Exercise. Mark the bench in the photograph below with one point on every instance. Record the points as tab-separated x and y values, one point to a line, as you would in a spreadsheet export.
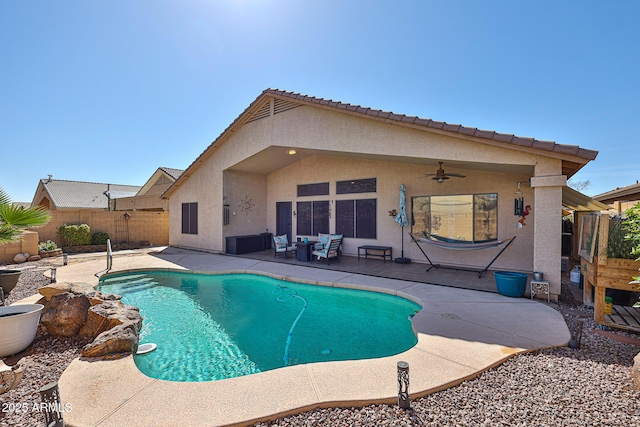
386	252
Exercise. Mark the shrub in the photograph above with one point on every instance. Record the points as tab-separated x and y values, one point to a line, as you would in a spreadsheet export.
99	238
47	246
75	235
619	246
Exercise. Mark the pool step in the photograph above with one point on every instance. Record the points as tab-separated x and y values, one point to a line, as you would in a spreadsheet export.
139	288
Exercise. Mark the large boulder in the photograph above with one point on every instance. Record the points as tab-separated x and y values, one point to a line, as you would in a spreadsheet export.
117	340
109	314
64	314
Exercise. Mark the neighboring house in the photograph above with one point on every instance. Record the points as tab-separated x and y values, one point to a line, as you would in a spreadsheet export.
58	194
98	205
622	198
299	165
148	197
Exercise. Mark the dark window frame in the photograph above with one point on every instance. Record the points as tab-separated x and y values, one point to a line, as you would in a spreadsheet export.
317	189
356	186
190	218
312	217
357	218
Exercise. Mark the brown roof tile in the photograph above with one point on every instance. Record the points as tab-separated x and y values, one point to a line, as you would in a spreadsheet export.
467	131
427	123
544	145
525	142
487	134
451	127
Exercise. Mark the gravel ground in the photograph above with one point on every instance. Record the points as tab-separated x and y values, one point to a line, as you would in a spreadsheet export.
590	386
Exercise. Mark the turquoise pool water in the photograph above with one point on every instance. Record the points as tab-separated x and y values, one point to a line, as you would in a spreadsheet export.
211	327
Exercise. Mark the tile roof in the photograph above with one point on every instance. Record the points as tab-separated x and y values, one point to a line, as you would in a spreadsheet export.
443	126
619	193
562	150
90	195
174	173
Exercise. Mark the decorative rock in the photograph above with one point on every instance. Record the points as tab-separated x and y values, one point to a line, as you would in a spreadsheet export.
121	339
20	258
54	289
108	315
635	372
65	314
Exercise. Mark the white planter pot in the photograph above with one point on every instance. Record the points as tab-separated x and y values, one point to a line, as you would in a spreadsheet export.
18	327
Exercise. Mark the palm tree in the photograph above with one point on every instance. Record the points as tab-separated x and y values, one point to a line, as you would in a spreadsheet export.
15	219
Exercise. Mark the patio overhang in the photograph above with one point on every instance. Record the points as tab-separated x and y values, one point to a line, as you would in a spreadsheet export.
576	201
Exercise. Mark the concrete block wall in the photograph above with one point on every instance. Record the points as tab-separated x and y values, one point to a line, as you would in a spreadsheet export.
142	226
28	244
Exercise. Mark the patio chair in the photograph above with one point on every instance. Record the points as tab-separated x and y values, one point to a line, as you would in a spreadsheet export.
281	246
330	250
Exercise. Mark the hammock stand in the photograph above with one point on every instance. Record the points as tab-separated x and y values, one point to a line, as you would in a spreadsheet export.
443	244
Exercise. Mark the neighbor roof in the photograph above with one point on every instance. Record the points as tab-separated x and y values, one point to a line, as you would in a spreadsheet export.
629	192
87	195
573	157
174	173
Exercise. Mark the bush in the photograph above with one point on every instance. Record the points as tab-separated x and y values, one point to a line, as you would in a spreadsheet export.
619	245
99	238
47	246
75	235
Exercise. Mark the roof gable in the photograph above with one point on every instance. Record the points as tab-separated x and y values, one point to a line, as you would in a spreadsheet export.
274	101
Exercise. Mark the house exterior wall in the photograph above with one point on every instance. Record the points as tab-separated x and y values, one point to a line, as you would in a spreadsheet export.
140	203
312	128
246	195
389	176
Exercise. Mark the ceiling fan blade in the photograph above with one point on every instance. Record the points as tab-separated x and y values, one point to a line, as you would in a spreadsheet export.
457	175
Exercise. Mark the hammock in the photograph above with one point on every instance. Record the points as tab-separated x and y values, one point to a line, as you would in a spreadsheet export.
459	246
439	242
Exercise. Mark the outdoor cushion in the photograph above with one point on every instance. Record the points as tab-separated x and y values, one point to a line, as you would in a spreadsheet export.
281	242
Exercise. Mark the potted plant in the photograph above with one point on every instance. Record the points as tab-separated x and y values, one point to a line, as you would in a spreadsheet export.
14	219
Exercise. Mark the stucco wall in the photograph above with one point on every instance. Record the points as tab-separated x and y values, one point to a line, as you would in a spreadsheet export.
389	176
338	138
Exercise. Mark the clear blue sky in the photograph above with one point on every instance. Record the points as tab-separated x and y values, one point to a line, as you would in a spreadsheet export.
109	91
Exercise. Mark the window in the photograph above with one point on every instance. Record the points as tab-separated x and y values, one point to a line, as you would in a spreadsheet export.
320	189
356	186
356	218
312	217
462	218
190	218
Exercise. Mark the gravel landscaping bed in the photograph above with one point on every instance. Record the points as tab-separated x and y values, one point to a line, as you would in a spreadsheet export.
590	386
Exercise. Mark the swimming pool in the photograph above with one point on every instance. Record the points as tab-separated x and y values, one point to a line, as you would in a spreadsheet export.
217	326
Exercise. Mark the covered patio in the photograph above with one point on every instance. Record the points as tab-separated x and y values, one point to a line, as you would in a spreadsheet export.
412	272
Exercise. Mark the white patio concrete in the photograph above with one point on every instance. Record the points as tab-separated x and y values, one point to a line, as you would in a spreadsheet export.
461	333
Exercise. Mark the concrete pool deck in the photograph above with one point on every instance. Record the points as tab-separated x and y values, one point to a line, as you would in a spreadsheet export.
461	333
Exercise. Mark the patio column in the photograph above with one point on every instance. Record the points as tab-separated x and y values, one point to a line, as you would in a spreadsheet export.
547	244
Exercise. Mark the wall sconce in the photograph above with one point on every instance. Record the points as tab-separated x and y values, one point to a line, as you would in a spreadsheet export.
126	215
294	214
291	152
393	212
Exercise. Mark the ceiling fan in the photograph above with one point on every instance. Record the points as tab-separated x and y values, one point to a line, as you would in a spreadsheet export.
441	176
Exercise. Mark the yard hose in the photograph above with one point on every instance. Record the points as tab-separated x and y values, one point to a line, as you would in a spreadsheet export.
282	296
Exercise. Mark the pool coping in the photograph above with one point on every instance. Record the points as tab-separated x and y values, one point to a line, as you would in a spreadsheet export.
461	334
